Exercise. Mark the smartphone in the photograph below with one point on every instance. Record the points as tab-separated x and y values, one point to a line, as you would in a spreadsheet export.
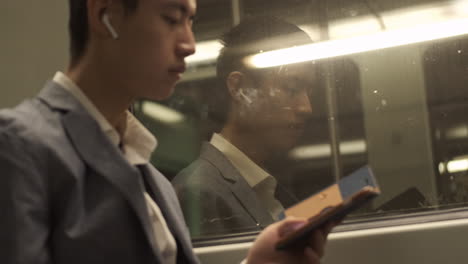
330	204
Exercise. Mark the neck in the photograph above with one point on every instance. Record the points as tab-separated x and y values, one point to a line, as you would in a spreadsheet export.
103	89
247	141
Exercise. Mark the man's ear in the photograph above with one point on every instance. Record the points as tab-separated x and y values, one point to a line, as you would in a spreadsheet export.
237	84
96	10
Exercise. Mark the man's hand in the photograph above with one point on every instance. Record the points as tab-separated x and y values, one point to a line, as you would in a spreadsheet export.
263	249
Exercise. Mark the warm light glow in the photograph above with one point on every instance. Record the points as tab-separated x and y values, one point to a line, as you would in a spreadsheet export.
162	113
205	52
348	46
324	150
457	165
448	19
457	132
399	18
441	168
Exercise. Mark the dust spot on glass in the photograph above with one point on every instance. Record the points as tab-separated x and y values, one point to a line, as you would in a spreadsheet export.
353	13
213	220
273	92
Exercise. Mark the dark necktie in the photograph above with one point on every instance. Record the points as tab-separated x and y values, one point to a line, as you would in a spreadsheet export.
286	198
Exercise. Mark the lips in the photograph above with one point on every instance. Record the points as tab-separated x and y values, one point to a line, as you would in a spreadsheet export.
297	129
178	69
297	126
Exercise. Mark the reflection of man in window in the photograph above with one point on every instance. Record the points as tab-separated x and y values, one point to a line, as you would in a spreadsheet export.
261	113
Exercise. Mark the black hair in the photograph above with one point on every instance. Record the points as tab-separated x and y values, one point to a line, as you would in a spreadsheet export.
78	26
251	36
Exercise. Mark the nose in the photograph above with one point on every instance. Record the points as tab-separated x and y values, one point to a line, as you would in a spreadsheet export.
303	106
186	44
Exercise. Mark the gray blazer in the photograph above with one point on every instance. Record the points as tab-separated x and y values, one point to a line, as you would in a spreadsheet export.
216	199
67	195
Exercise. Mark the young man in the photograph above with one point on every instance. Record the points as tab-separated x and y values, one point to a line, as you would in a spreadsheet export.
261	114
76	185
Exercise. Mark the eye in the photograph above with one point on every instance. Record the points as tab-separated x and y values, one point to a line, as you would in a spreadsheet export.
295	90
171	20
293	87
191	21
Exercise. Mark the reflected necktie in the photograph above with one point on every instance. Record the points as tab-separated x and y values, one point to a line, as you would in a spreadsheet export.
286	198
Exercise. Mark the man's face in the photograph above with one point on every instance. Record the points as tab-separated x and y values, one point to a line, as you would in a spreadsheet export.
279	106
153	43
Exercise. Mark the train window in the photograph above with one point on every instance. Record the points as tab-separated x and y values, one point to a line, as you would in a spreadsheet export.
283	98
254	126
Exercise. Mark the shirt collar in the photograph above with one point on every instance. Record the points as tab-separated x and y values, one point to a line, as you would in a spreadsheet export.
137	142
251	172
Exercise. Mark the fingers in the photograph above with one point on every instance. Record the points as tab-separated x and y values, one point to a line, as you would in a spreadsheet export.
328	228
311	256
315	248
318	239
317	242
289	225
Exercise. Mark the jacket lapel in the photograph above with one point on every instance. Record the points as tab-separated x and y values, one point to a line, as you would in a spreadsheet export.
166	199
238	185
98	153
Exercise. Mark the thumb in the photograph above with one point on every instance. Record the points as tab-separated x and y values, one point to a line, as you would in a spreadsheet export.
290	225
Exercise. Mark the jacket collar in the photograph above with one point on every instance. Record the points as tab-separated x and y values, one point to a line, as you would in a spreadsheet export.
58	98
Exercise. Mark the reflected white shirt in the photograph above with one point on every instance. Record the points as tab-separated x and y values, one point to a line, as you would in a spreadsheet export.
137	144
259	180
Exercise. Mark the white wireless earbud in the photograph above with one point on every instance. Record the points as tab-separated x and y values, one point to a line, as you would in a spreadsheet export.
246	98
105	20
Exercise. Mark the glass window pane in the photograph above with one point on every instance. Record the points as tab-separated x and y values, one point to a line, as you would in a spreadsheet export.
380	83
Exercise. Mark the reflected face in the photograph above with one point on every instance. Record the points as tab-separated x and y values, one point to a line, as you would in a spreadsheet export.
279	107
153	43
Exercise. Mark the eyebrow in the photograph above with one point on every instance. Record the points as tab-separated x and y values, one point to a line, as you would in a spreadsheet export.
179	7
302	81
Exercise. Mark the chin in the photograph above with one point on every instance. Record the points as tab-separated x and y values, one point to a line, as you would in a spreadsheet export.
161	93
285	143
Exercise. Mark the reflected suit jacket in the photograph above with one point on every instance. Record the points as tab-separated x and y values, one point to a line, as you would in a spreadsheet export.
67	194
216	199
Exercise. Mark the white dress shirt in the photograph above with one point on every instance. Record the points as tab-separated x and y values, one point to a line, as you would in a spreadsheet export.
259	180
137	144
